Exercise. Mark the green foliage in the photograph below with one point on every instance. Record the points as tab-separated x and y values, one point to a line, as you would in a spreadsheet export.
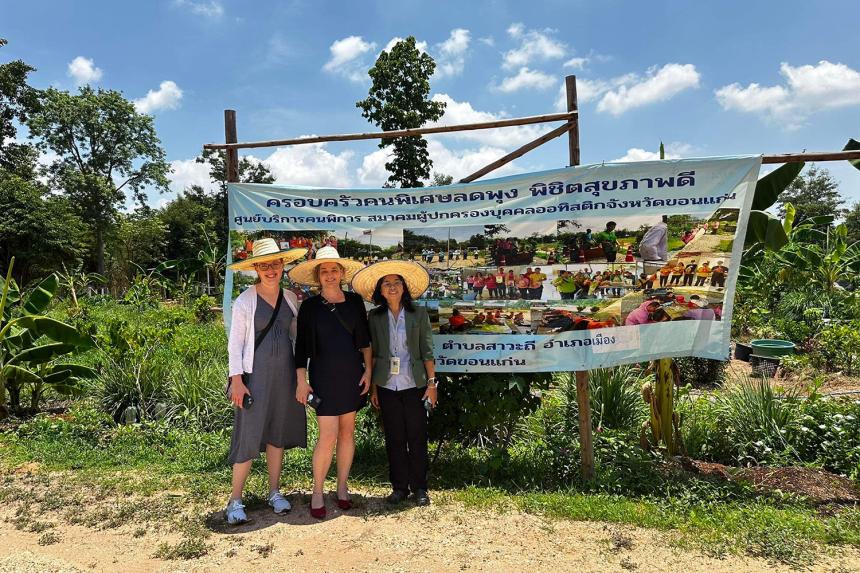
829	434
814	194
838	346
202	308
484	408
702	372
103	147
17	100
34	348
399	99
758	421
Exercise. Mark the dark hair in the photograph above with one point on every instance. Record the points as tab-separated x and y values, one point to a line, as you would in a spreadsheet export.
382	304
613	223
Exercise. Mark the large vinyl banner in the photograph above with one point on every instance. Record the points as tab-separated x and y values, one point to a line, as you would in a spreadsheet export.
560	270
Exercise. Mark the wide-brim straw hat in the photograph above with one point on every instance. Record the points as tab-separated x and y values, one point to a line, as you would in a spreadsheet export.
303	273
417	277
266	250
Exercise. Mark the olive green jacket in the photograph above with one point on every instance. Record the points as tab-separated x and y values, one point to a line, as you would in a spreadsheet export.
419	340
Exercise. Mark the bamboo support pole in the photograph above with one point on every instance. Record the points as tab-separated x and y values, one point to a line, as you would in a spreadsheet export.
518	152
547	118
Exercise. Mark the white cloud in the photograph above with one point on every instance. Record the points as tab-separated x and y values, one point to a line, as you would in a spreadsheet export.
84	71
527	79
168	96
346	58
807	89
420	46
456	163
310	164
659	85
457	113
591	90
452	53
488	41
577	63
210	9
187	172
674	150
535	45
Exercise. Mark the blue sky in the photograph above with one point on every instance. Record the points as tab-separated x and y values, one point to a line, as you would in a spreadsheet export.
707	78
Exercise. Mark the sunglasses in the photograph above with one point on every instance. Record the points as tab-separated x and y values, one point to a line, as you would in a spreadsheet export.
392	285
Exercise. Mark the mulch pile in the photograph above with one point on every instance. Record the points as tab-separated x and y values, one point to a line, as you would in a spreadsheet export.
817	486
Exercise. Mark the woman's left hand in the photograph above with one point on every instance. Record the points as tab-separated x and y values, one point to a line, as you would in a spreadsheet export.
431	394
365	382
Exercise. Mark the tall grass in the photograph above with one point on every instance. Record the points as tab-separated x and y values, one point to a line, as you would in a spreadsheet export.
759	420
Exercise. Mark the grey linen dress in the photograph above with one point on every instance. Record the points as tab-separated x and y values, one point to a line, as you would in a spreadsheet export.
276	417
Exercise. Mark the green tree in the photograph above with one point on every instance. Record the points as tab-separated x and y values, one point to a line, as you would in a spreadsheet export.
852	223
138	238
250	171
813	194
17	100
38	228
104	148
398	99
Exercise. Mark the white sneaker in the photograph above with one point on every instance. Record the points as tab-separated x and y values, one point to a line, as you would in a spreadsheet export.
235	513
279	503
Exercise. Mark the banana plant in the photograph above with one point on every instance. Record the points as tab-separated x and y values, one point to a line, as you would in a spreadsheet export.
77	280
764	231
33	347
662	428
822	262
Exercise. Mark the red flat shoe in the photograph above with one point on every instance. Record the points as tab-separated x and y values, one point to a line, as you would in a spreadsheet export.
344	504
318	512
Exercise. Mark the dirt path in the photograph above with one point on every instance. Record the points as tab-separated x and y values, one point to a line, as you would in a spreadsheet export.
439	538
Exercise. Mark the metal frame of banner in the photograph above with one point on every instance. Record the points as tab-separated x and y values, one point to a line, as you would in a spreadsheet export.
571	126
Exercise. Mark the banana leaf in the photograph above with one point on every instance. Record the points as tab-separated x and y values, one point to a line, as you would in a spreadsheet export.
57	377
768	188
766	229
41	296
19	374
56	330
42	354
77	370
853	145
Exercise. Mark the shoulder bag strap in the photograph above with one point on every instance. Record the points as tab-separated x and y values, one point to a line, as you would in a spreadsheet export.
260	337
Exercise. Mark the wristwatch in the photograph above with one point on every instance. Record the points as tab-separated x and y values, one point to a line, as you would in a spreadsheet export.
432	382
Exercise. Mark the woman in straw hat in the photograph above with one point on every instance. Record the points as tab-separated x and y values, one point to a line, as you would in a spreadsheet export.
333	350
260	347
404	376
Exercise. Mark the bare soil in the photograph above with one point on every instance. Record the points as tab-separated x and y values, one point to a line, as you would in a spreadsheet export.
443	537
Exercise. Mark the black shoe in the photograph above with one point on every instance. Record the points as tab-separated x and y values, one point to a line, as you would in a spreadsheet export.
422	497
397	496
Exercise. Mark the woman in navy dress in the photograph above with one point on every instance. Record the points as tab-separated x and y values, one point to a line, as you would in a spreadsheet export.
333	363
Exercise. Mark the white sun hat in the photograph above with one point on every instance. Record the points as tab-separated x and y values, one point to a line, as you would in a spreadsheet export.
303	273
416	276
266	250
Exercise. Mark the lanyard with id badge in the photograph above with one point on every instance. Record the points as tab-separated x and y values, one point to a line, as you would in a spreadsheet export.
394	360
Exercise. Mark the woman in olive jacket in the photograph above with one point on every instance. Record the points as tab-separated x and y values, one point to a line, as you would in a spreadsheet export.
403	374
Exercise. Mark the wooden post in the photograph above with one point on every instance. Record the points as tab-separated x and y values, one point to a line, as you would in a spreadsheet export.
586	445
231	159
573	138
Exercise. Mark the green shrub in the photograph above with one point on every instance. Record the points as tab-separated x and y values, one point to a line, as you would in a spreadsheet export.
838	347
202	307
829	434
758	421
702	372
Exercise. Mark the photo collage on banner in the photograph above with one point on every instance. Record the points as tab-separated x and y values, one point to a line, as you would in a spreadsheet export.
535	273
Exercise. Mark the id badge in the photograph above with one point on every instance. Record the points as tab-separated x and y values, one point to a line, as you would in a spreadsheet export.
394	363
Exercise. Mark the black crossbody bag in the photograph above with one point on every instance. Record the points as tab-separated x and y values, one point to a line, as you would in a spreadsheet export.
258	341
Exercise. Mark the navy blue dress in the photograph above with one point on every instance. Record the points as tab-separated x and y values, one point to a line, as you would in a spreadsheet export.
331	351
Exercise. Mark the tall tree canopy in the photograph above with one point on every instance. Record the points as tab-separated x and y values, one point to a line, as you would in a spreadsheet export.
104	149
398	99
17	100
813	194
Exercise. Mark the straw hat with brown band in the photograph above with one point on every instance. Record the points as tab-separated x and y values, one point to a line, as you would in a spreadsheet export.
266	250
303	273
415	275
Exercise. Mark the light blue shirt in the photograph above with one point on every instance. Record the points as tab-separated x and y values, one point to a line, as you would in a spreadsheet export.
397	344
